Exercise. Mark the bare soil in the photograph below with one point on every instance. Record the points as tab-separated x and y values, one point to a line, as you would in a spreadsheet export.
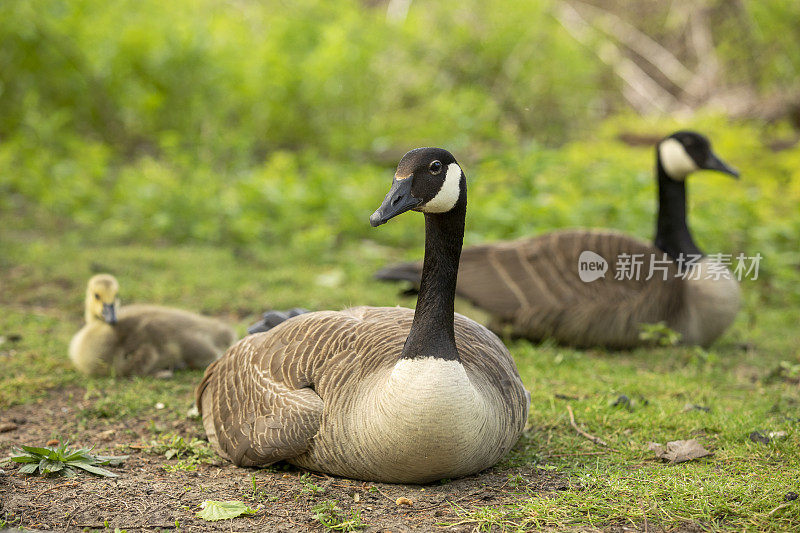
147	497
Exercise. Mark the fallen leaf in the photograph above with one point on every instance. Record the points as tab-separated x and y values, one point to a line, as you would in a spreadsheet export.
679	451
214	510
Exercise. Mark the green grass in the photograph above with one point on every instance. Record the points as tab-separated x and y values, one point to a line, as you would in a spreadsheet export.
746	380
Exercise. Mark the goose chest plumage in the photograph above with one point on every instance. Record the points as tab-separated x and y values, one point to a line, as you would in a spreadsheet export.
142	339
377	393
533	288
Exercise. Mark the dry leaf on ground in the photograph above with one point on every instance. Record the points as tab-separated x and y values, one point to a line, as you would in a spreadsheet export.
679	451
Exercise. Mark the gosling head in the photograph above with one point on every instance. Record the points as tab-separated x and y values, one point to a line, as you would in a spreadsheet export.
101	299
428	180
684	152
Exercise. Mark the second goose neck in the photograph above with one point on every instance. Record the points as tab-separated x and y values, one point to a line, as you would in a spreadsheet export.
432	333
672	231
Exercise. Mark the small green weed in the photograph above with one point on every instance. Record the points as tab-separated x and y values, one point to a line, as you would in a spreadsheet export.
309	487
184	465
330	515
173	446
257	493
659	334
62	460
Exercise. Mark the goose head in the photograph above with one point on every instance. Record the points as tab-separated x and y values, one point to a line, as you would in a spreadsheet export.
101	299
428	180
684	152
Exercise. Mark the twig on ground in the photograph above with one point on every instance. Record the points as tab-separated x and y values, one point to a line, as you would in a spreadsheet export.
582	433
778	508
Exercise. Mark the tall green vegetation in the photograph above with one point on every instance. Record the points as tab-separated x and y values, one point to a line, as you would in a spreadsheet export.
256	122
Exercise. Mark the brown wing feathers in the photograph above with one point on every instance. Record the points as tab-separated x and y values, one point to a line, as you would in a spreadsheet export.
263	401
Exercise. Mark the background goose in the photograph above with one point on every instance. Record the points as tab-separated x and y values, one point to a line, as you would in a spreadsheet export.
533	288
142	339
380	394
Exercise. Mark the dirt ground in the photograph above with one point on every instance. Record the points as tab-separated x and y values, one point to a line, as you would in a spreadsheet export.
147	497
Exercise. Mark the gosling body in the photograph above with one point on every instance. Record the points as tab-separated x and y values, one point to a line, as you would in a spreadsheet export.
142	339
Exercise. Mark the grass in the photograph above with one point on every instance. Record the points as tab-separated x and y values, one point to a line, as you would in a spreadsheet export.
748	381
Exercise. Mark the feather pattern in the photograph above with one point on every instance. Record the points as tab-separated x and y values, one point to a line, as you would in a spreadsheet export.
327	391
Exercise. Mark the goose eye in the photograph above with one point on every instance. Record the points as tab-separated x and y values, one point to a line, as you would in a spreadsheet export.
435	167
96	296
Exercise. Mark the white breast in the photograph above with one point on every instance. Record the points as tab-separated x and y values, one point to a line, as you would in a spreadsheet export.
713	299
422	420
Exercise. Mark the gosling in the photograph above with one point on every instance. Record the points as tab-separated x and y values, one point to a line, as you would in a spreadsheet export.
142	339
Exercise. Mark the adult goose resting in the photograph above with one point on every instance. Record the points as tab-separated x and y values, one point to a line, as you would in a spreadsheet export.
533	287
142	339
377	393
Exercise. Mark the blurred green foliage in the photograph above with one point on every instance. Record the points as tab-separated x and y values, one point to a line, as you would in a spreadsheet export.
229	82
257	124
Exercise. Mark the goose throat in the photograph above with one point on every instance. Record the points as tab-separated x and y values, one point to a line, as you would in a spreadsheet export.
672	231
432	333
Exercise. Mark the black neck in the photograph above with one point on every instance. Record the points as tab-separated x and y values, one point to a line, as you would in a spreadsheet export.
432	333
672	233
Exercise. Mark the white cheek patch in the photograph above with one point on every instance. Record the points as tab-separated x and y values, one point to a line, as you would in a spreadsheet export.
448	195
676	162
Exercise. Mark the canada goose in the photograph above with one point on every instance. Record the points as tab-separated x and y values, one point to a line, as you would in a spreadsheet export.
142	339
533	286
377	393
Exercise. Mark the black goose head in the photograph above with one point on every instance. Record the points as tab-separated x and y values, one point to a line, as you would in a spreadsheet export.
427	180
683	152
